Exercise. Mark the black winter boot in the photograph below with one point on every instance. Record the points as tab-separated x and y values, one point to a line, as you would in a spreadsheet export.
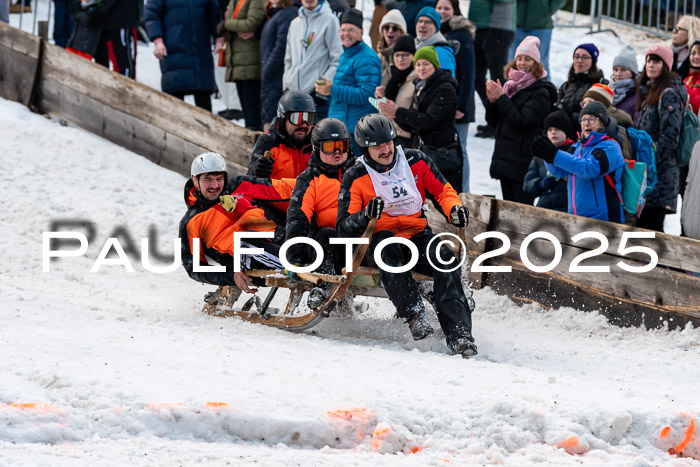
419	325
463	346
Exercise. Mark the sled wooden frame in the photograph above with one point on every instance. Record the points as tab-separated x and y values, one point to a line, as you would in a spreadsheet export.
343	284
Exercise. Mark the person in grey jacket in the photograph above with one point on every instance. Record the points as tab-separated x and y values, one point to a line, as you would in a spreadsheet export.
690	214
313	51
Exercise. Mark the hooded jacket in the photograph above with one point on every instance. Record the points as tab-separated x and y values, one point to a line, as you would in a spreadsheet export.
663	122
273	43
313	48
589	193
359	73
187	28
518	120
356	190
445	50
215	226
291	158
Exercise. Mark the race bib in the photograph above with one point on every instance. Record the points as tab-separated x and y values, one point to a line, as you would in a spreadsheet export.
397	186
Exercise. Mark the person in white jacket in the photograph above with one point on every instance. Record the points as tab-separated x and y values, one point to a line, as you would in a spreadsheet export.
313	51
690	213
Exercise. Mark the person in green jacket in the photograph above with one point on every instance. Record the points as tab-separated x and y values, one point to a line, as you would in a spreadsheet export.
535	19
242	20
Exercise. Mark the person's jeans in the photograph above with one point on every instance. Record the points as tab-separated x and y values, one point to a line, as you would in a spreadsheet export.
545	36
63	23
5	12
463	131
249	95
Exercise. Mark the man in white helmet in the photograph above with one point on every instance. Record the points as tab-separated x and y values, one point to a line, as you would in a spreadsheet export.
218	207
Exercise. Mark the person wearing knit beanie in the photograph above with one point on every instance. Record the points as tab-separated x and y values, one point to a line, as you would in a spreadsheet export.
405	44
530	48
628	59
600	93
427	53
591	49
352	16
664	52
430	13
596	109
394	17
560	120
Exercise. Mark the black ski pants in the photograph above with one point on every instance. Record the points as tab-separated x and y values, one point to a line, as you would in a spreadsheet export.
491	47
450	303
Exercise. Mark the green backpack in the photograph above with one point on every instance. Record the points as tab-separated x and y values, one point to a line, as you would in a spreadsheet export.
690	132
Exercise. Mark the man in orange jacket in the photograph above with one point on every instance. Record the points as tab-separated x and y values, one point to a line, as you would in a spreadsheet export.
390	185
217	208
314	204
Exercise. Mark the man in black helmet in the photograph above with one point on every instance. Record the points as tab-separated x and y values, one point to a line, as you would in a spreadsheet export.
288	139
390	185
314	203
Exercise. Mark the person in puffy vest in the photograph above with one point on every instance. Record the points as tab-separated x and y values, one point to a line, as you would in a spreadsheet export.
593	171
390	185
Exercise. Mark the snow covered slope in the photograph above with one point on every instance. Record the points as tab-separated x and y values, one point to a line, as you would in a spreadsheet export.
112	367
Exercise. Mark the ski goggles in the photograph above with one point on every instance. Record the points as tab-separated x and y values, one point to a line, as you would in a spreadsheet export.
297	118
329	147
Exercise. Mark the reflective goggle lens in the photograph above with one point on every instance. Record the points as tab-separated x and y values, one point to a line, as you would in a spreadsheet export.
297	118
329	147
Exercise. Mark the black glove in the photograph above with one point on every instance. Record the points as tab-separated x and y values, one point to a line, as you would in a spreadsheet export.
263	167
459	216
547	183
374	208
543	148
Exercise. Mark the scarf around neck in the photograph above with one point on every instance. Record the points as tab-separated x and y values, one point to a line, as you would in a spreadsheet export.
432	40
519	80
621	88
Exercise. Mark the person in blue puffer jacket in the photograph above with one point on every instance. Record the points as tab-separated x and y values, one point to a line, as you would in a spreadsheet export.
359	73
273	43
596	155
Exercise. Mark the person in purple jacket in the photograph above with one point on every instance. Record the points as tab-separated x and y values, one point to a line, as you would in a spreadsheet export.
624	82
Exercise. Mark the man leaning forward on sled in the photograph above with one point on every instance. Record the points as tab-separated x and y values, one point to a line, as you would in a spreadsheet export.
390	185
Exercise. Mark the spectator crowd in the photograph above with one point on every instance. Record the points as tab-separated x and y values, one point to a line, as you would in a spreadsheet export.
564	148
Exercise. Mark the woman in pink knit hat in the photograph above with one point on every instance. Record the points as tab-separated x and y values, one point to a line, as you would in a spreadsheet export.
662	97
517	111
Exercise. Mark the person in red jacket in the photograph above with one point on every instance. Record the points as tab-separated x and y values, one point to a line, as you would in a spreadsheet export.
314	204
217	208
692	82
390	185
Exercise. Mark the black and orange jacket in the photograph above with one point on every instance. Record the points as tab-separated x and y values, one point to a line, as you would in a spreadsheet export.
291	158
214	226
314	202
356	190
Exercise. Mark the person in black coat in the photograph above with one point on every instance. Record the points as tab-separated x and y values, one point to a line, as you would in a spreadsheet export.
182	31
431	116
273	42
517	111
551	190
583	74
117	44
456	27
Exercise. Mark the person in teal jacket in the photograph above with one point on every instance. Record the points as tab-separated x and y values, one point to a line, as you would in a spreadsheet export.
594	170
359	73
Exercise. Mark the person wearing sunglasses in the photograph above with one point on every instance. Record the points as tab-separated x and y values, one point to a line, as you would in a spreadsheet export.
683	35
288	139
392	26
593	171
314	203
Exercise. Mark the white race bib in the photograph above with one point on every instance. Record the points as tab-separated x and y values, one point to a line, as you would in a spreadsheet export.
397	186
